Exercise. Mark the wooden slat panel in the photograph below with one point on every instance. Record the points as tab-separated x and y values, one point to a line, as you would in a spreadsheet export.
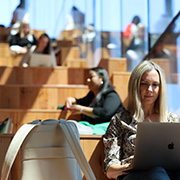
120	81
38	97
42	75
20	117
113	65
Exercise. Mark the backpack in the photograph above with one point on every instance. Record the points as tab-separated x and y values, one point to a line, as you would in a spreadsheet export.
50	150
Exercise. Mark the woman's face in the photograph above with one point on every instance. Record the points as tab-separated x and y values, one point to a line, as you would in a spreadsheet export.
25	28
149	87
94	81
43	42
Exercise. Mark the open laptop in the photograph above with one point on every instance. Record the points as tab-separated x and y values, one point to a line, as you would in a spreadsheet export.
41	60
157	144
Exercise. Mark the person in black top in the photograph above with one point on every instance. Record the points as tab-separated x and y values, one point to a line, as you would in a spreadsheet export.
102	101
23	40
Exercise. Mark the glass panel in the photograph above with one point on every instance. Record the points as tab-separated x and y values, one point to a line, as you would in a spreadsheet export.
159	18
165	52
104	32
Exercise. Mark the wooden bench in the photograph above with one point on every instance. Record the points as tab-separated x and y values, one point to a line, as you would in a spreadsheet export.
120	80
38	96
4	50
92	146
113	65
7	57
13	60
42	75
69	53
22	116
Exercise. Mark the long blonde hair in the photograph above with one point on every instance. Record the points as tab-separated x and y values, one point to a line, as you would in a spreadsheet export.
22	35
134	99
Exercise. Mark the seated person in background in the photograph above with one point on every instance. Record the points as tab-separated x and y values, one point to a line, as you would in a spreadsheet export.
100	104
146	103
131	28
136	50
20	13
43	47
23	40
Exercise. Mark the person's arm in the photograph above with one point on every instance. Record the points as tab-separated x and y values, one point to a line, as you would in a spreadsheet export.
81	105
18	49
116	170
54	64
88	111
113	142
25	60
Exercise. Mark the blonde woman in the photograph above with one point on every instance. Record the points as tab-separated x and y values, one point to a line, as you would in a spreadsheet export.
146	102
23	40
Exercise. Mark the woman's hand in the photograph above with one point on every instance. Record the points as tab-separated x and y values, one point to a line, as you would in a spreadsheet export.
70	101
23	50
117	170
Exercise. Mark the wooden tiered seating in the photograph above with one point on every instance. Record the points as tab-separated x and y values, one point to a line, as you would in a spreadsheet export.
38	96
120	81
8	58
34	93
113	65
22	116
42	75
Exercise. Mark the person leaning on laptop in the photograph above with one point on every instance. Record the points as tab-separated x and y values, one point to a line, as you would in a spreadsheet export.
43	47
146	102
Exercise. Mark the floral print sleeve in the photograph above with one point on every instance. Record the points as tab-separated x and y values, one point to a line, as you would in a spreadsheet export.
118	141
173	117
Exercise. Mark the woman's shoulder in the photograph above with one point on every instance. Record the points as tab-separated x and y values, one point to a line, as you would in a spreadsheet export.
118	122
122	116
172	117
110	91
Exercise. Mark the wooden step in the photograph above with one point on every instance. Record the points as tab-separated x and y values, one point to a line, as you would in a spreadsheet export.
120	80
113	65
38	96
42	75
22	116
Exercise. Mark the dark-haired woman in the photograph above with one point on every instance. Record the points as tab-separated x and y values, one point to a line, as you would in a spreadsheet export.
43	47
102	101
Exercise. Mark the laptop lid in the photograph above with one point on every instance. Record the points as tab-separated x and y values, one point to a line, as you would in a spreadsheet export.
41	60
157	144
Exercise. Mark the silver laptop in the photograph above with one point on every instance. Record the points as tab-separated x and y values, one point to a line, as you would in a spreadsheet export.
41	60
157	144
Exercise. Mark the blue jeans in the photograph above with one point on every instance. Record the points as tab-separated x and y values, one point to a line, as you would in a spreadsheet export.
157	173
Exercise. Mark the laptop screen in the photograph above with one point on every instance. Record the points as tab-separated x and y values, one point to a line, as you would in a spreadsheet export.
41	60
157	144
